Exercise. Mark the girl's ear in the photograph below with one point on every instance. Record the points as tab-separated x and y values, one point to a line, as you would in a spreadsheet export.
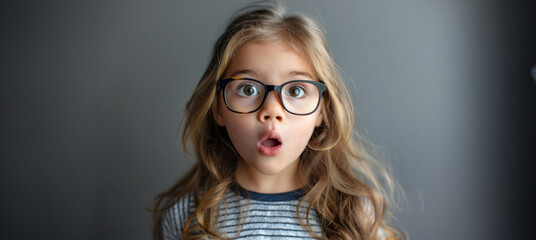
216	112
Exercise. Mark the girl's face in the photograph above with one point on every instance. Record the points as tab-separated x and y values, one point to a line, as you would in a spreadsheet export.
271	139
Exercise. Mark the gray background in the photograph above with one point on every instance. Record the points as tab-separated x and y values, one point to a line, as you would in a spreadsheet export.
92	94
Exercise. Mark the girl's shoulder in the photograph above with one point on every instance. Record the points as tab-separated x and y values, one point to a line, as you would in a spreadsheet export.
175	217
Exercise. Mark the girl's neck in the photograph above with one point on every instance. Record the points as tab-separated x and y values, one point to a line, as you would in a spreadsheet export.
251	179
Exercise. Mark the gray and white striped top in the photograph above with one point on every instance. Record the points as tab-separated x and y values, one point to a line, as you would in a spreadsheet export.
269	216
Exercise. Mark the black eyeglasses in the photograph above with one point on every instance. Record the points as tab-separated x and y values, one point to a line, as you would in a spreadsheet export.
247	95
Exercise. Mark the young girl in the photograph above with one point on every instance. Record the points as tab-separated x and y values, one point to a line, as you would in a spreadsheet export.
271	123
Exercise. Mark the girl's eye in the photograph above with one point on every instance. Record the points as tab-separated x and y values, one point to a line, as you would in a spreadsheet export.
248	90
296	92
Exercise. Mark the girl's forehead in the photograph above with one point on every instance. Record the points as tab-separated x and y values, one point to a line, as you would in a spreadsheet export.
288	45
254	57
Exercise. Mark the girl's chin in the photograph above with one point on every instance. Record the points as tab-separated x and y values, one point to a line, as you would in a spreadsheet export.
272	168
268	166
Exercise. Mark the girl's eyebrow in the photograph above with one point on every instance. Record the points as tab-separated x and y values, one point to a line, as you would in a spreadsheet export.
243	71
298	73
254	74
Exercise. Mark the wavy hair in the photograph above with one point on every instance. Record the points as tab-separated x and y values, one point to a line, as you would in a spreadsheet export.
348	183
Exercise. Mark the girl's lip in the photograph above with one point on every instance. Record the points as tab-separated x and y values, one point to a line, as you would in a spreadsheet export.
270	151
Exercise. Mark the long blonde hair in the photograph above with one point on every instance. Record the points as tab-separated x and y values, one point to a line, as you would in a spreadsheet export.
348	186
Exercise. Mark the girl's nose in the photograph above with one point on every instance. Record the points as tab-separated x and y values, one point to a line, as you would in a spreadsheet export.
272	108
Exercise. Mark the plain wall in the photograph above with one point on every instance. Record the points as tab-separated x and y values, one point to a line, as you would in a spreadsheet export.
92	96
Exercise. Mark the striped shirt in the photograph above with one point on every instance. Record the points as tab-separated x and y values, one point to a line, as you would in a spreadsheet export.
269	216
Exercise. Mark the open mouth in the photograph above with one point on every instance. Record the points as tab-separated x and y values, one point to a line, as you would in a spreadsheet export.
270	142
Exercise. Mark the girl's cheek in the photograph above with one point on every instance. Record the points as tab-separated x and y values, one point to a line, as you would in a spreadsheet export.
239	126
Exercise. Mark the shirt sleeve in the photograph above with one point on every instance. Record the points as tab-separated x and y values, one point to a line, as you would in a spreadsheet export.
170	228
174	218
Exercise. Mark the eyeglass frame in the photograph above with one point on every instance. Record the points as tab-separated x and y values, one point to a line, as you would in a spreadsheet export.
222	83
